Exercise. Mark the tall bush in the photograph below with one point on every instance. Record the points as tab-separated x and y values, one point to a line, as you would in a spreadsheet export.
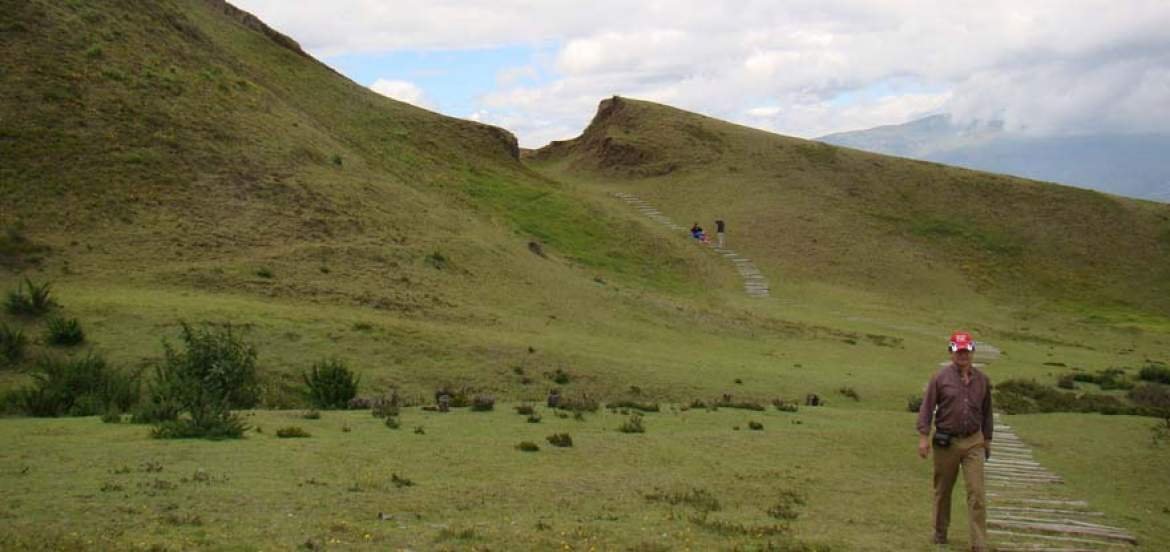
213	373
331	384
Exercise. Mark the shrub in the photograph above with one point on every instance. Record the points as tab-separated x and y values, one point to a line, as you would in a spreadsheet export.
12	345
755	426
1155	372
849	392
1066	381
483	403
726	402
633	424
525	410
331	384
392	422
1111	378
559	376
214	373
64	332
633	405
785	406
265	272
560	440
291	432
84	386
30	299
914	403
1026	396
527	446
313	414
458	398
583	403
1152	396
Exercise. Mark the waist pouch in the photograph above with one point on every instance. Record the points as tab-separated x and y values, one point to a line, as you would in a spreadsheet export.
942	440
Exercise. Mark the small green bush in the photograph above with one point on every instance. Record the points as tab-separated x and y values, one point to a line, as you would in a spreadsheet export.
483	403
534	418
559	376
755	426
914	403
1157	373
437	260
527	446
291	432
726	402
85	386
265	272
633	424
29	299
312	414
1066	381
560	440
786	406
213	374
1153	397
392	422
64	332
331	384
12	345
583	403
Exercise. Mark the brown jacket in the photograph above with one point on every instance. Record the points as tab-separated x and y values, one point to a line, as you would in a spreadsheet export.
963	408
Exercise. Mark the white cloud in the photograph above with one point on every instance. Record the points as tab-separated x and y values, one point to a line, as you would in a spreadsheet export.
798	66
403	91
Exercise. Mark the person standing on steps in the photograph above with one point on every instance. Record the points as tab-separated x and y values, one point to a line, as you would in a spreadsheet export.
719	228
958	400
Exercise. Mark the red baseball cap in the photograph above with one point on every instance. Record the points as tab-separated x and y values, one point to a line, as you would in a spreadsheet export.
961	341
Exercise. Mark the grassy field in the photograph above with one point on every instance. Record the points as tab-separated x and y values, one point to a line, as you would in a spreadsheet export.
179	162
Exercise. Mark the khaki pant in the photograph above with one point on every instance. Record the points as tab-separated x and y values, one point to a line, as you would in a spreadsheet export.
966	452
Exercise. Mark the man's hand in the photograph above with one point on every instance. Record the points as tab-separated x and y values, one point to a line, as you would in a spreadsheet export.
923	446
986	450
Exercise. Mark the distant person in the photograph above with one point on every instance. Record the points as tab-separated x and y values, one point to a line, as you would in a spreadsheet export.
962	438
720	228
697	231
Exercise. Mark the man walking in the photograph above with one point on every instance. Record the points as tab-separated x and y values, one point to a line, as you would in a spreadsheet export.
719	232
962	395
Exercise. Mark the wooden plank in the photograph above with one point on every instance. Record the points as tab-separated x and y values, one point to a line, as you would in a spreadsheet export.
1064	521
1047	501
1059	529
1049	538
1025	509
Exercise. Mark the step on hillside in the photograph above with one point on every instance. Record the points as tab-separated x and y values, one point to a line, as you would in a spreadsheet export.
754	282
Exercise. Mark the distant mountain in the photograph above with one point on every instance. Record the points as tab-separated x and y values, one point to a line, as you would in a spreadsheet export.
1135	165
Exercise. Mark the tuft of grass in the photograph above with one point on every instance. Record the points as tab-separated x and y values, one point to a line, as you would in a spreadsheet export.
85	386
265	272
849	392
483	403
633	424
392	422
65	332
292	432
527	446
437	260
331	384
914	403
787	506
312	414
29	299
560	440
755	426
400	481
12	345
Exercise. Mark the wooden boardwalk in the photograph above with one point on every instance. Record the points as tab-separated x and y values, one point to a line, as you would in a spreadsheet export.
754	282
1027	510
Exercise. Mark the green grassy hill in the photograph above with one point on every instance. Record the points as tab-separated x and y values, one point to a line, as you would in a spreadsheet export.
812	212
180	161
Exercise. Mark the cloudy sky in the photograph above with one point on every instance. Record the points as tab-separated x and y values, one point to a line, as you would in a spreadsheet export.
798	67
